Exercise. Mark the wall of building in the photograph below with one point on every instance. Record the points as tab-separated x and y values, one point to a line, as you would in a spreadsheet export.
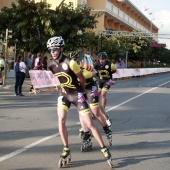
6	3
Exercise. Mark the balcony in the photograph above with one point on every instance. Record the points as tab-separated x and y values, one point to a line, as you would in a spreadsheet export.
123	17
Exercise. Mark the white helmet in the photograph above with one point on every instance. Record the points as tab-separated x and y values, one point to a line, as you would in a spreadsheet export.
55	42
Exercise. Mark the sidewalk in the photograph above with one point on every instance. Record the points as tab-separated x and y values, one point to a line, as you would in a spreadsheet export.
10	83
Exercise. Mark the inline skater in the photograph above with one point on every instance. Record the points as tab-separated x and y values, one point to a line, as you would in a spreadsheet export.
91	91
68	72
104	69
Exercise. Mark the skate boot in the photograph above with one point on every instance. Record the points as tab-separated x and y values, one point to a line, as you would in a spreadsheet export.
108	133
87	144
65	157
107	156
81	133
31	89
108	121
92	116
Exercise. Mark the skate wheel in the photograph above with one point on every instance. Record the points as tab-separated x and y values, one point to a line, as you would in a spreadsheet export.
91	146
60	163
82	148
68	160
38	91
93	117
110	163
110	142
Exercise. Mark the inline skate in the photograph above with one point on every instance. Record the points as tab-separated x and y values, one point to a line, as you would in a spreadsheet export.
107	156
92	116
65	157
87	144
108	121
81	133
108	133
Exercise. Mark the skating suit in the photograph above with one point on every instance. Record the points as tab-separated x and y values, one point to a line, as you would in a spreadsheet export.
71	91
105	72
91	86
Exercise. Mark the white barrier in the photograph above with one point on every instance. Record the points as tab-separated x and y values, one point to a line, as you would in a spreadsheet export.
122	73
43	79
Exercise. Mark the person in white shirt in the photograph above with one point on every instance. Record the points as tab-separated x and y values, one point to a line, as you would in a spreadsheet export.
37	66
20	69
37	62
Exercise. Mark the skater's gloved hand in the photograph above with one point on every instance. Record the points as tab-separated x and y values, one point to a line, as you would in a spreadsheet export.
110	82
94	78
81	97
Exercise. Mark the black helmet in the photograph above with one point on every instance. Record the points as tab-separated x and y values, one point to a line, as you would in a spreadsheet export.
102	55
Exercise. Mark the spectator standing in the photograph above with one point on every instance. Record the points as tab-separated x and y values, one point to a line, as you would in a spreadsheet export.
29	64
122	63
37	66
37	62
44	63
2	66
20	69
117	65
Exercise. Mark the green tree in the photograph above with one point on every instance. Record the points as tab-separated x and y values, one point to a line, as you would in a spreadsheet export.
34	23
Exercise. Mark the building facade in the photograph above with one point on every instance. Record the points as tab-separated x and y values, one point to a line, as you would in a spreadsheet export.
118	15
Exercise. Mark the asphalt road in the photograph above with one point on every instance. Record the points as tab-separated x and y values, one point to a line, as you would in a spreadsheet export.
140	111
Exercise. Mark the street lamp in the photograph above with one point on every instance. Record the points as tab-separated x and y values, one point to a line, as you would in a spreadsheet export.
101	35
8	35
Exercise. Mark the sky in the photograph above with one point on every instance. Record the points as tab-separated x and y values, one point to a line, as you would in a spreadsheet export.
159	12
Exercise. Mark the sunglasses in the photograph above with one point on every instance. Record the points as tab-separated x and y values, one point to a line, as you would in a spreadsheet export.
53	49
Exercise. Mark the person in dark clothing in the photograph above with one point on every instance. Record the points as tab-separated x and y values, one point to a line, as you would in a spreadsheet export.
44	63
20	70
72	83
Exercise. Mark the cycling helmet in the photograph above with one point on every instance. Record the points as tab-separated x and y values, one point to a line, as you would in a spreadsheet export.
55	42
102	55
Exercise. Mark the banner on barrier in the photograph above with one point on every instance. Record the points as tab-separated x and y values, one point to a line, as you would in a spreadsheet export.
122	73
43	79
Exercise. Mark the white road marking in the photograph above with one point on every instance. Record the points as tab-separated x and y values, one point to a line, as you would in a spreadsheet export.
27	147
57	134
112	108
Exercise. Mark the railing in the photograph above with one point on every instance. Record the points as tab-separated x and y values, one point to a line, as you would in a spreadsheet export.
114	11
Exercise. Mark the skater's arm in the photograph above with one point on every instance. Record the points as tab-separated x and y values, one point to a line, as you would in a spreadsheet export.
82	80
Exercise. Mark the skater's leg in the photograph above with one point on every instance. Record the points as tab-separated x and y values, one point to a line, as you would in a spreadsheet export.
102	120
83	128
83	124
102	110
97	113
104	98
62	115
16	84
107	118
88	120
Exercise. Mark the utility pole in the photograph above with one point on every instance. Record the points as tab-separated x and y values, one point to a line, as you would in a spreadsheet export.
8	35
5	66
